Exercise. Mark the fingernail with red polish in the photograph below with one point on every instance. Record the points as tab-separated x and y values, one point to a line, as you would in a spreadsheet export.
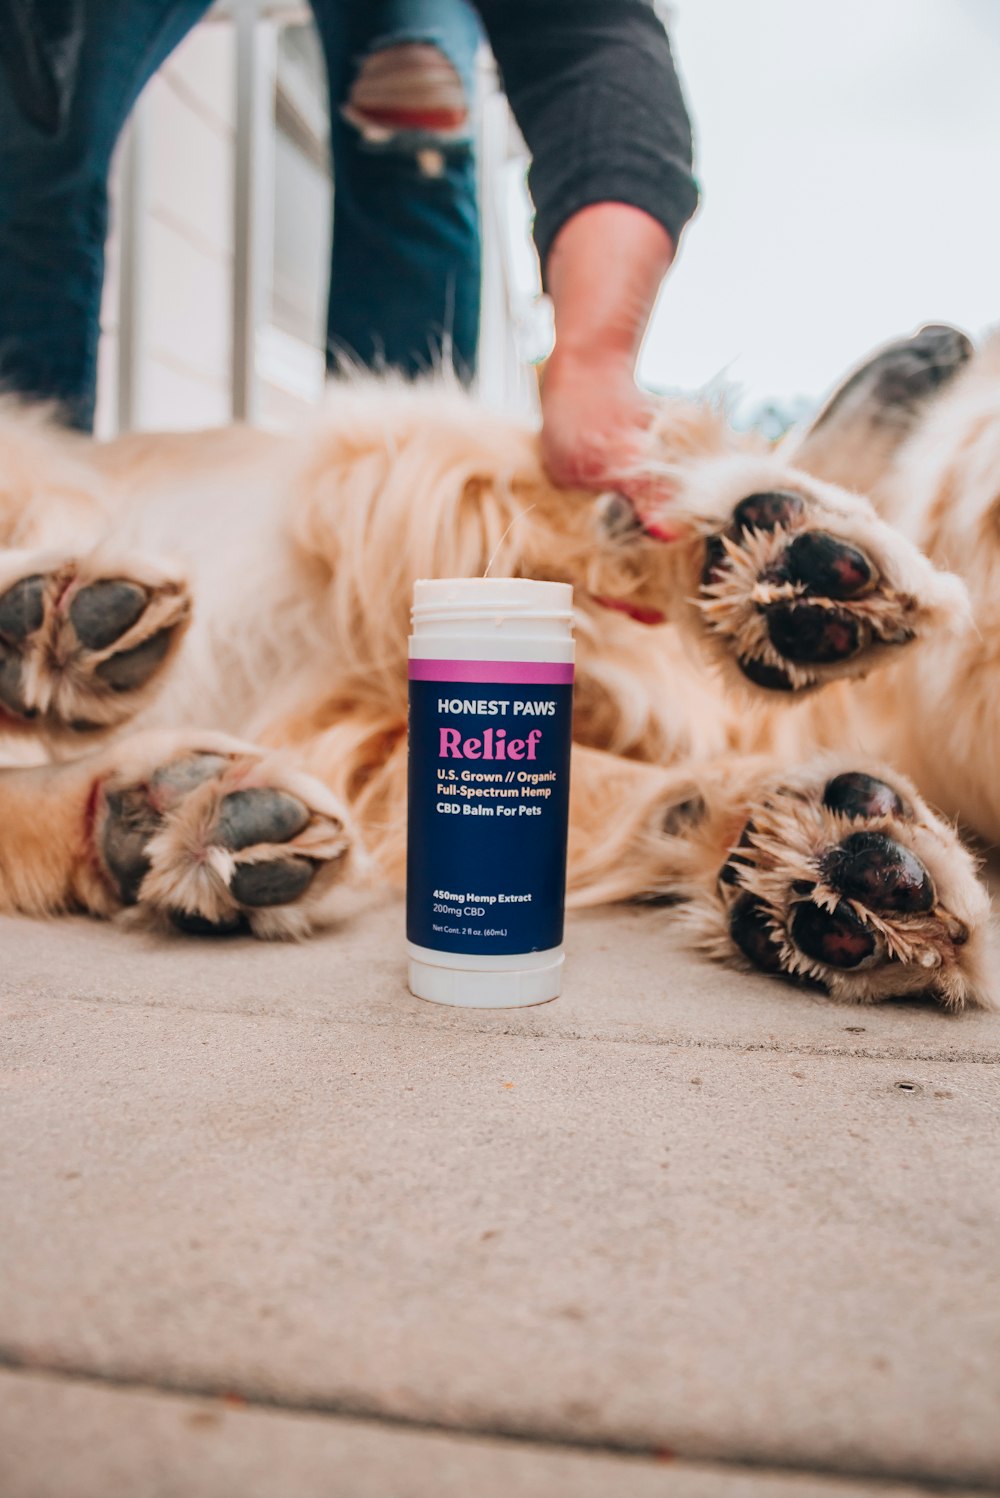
659	532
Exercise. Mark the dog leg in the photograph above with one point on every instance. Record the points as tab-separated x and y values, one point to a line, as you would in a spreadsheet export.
857	433
84	642
46	861
195	830
945	726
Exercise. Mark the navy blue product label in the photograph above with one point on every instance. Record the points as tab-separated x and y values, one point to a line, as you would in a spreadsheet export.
488	814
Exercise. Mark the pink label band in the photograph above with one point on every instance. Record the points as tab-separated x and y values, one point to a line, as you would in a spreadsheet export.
522	673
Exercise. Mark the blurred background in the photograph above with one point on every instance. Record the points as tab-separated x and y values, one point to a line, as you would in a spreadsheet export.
848	155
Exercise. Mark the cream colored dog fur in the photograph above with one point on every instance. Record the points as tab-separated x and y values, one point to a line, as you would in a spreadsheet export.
203	655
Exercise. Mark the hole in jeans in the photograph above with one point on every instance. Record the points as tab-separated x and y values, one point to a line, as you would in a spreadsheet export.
409	97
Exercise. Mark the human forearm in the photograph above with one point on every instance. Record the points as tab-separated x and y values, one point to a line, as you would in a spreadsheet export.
594	89
604	272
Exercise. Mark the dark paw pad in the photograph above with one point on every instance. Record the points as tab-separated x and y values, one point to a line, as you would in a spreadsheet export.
828	566
130	824
11	685
810	634
276	882
259	816
763	674
912	370
752	933
765	512
856	794
133	668
880	873
837	939
948	348
102	612
22	608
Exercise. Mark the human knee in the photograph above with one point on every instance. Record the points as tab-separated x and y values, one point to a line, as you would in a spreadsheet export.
408	98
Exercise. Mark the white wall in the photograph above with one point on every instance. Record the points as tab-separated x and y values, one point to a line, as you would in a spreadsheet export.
182	132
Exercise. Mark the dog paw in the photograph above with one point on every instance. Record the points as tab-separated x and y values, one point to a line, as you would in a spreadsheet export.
850	881
80	649
907	372
805	584
894	384
217	842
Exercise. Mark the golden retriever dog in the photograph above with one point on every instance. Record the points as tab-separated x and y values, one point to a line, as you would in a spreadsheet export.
203	665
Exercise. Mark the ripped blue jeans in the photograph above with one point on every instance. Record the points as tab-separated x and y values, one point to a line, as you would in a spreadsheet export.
404	279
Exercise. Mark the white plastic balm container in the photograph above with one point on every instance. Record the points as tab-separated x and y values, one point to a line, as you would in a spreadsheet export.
491	704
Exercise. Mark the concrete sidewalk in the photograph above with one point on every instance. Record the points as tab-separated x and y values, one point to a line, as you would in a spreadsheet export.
272	1226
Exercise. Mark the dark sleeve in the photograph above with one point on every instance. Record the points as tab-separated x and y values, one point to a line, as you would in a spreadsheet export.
593	87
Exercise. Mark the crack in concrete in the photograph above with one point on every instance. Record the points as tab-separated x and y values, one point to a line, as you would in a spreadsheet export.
345	1409
685	1042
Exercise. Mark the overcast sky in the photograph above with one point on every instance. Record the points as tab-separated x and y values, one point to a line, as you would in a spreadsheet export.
849	153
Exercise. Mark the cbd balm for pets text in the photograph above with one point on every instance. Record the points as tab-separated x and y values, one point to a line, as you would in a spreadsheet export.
491	697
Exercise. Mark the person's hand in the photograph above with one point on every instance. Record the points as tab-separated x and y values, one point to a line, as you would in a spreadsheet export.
603	272
595	422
